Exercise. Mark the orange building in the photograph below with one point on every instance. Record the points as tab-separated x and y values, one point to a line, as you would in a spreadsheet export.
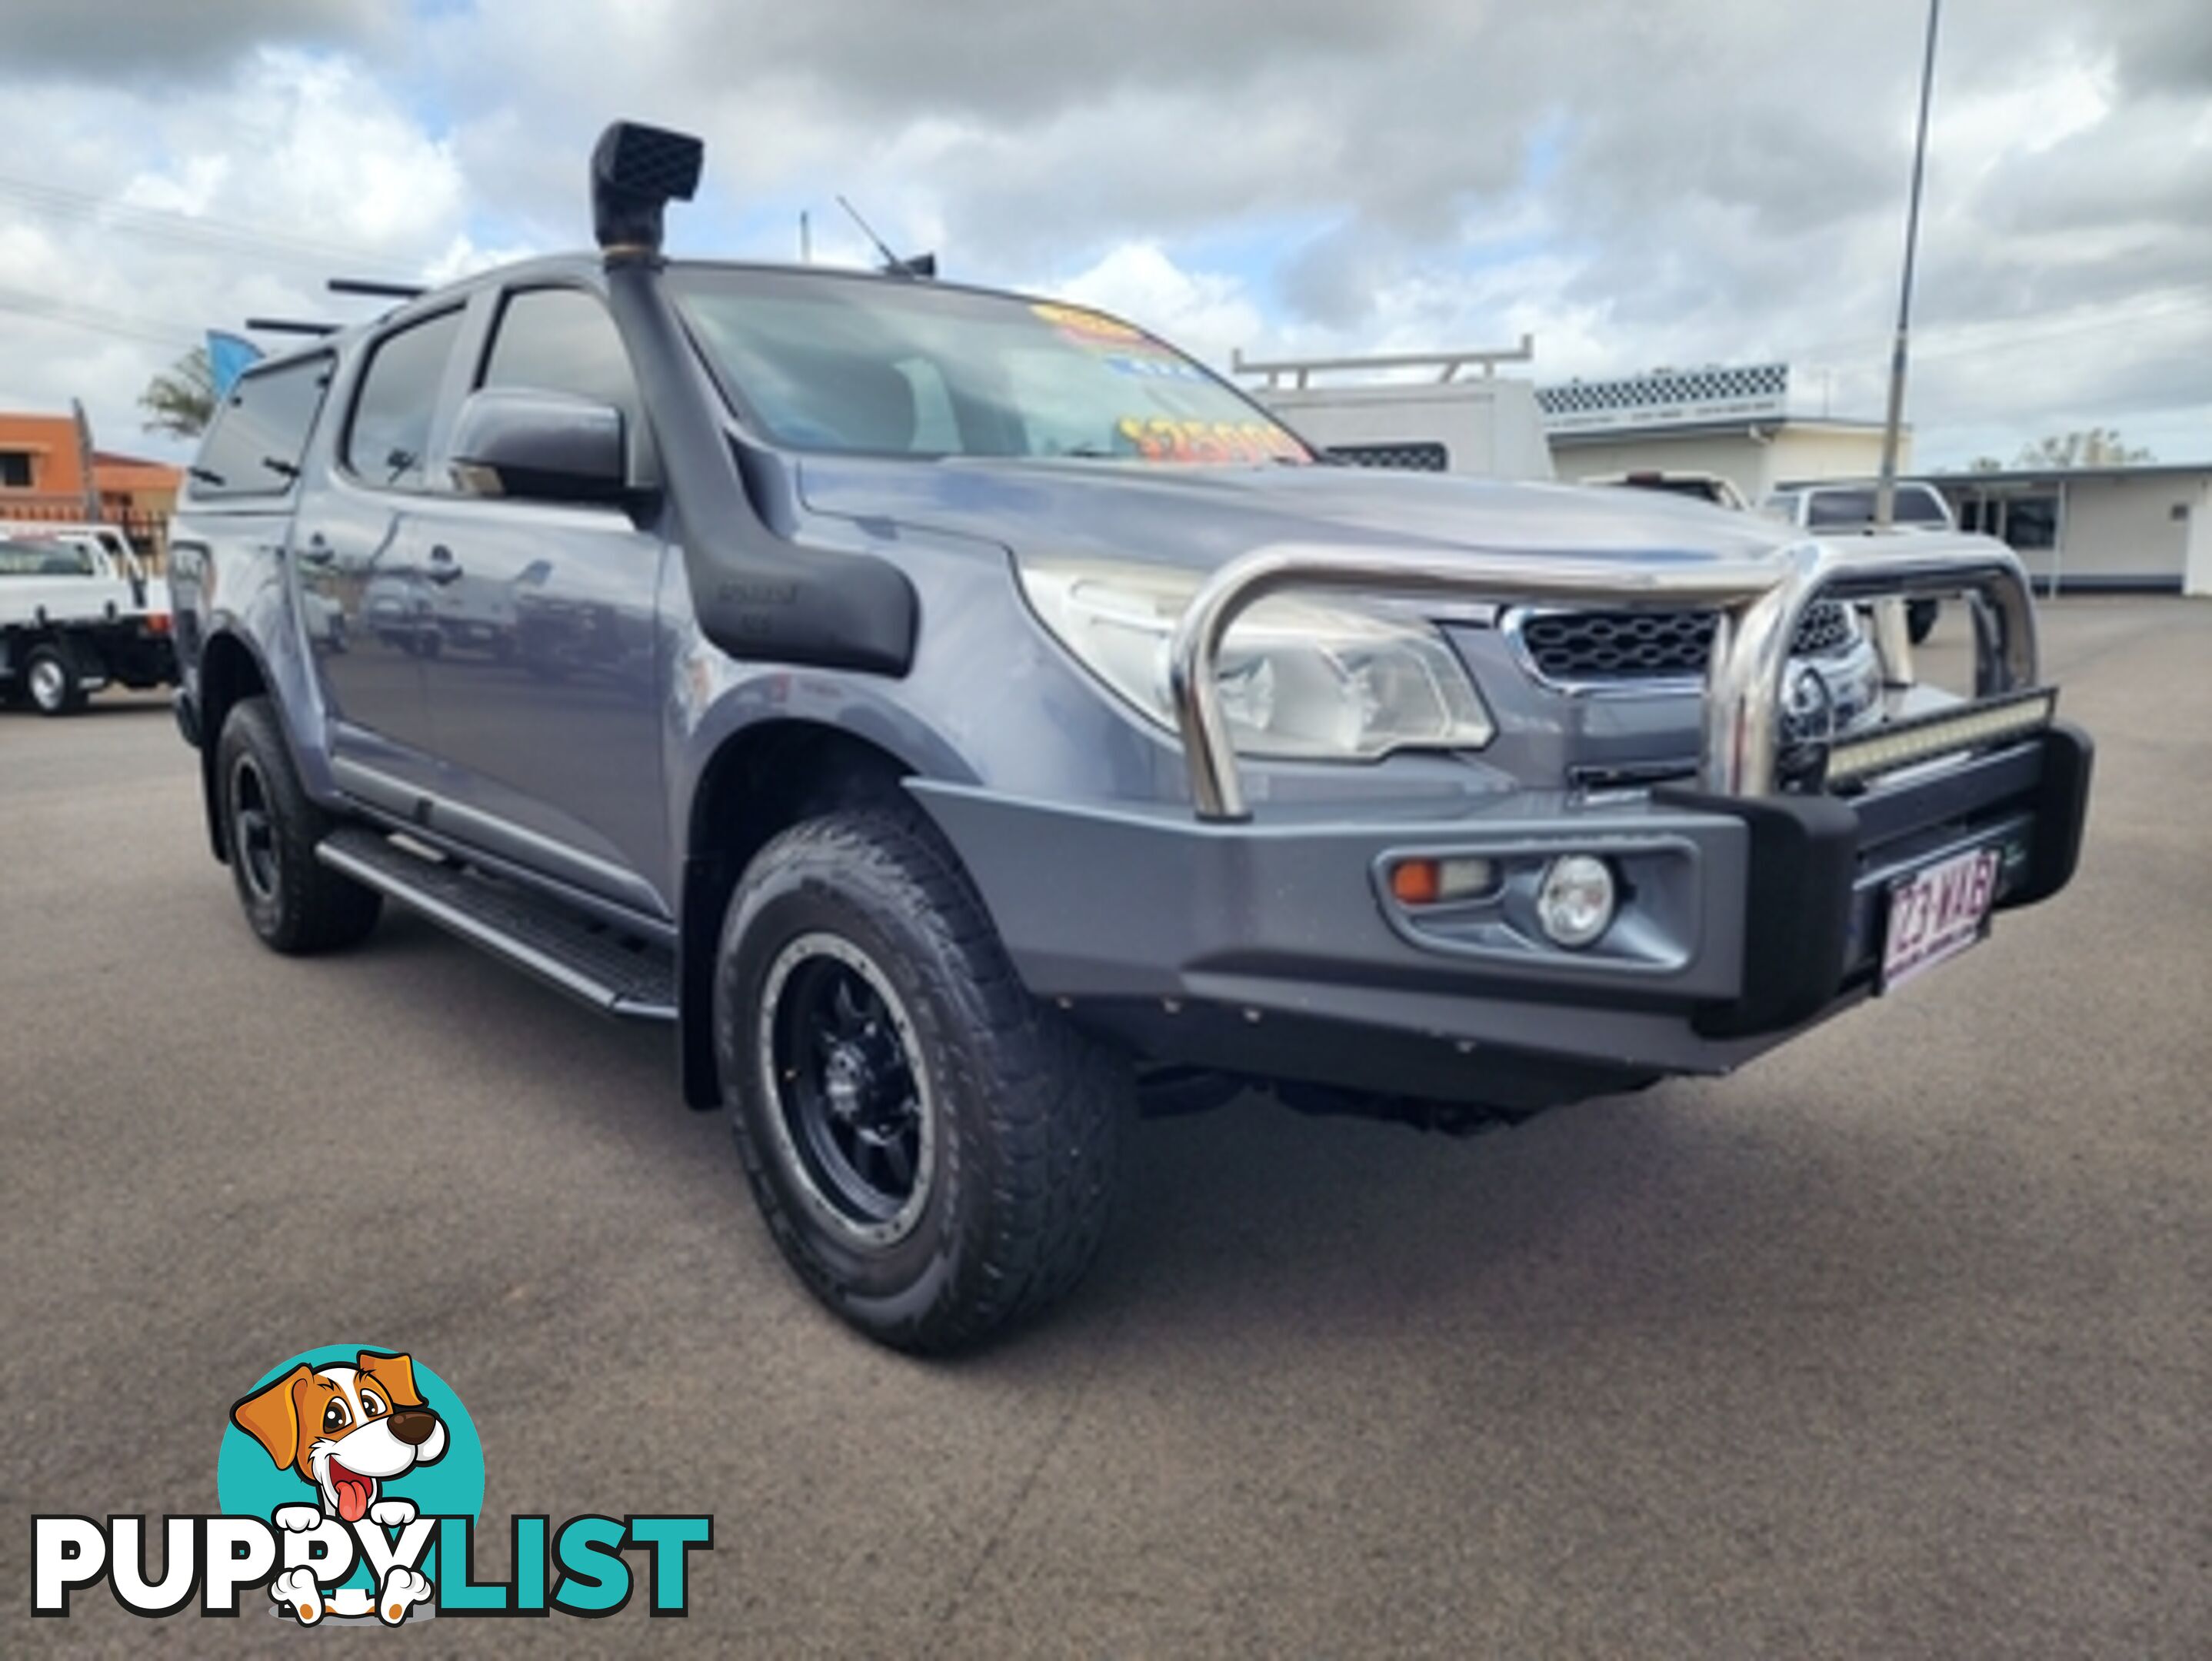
43	466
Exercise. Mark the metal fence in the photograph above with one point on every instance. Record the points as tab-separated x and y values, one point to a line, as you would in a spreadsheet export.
146	529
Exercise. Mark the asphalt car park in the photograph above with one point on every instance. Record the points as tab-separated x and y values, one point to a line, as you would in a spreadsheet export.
1896	1342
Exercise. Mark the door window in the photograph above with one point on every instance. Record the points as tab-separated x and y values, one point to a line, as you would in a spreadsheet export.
389	436
2031	523
253	449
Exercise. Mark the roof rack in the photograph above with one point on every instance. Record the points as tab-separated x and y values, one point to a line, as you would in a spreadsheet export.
376	288
1447	364
292	326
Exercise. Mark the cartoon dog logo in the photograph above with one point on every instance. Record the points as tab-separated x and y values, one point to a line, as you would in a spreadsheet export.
347	1431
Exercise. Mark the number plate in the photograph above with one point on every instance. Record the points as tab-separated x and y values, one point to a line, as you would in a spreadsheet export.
1936	913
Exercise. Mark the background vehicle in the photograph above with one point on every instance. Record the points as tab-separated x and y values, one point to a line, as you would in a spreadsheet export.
1697	487
105	538
954	709
1848	509
1460	416
74	615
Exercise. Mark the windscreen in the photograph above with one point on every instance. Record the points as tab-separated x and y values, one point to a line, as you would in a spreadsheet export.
45	559
1916	504
848	364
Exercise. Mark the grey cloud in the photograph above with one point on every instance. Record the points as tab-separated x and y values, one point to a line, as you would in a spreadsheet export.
1332	280
1706	179
162	38
2163	46
2133	168
1019	60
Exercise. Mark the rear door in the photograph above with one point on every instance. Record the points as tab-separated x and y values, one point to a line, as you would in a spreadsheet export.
544	697
360	555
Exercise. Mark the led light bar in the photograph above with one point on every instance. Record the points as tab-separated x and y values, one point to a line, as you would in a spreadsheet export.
1991	721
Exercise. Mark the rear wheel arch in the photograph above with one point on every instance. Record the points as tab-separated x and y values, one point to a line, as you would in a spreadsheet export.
229	671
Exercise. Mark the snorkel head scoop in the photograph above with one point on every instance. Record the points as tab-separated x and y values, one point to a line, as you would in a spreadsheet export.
757	595
636	170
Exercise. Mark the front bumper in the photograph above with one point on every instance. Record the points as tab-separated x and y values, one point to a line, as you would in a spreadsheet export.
1746	918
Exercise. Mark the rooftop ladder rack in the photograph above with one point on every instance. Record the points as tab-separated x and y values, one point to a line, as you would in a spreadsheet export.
1446	364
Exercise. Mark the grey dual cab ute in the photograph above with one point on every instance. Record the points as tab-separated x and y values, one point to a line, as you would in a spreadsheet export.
961	714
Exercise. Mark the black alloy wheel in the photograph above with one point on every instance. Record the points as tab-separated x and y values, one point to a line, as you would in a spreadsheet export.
293	902
838	1047
254	830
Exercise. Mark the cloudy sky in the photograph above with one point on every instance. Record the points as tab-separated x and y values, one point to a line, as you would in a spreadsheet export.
1634	182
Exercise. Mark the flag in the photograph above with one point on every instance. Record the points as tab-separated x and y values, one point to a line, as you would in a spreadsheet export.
228	357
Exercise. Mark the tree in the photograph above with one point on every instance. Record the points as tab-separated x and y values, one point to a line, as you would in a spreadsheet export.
181	400
2098	448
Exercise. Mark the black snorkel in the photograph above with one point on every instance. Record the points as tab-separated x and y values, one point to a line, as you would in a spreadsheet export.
756	595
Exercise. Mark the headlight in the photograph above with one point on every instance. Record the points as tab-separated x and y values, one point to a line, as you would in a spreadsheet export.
1299	677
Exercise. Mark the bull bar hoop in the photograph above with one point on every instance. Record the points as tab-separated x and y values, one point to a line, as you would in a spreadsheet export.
1760	603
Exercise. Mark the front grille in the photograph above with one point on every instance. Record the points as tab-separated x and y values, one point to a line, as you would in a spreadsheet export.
1639	645
1825	628
1415	456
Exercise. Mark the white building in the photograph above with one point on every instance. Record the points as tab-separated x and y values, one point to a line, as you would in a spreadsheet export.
1733	421
2139	527
2146	526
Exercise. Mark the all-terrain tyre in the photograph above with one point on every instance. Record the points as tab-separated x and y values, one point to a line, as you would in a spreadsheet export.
933	1150
296	904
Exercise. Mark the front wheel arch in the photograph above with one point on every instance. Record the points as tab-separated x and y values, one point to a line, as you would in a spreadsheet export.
759	783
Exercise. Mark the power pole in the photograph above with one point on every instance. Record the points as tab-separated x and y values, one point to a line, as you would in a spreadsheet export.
84	461
1885	498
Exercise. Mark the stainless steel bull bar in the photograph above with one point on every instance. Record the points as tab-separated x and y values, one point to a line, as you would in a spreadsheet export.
1760	603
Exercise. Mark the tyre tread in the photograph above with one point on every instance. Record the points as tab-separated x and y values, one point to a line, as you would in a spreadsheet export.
1057	1100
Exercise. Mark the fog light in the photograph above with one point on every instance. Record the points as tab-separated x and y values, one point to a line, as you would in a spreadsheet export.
1433	881
1575	901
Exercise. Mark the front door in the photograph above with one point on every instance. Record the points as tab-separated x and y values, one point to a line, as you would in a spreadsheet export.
543	689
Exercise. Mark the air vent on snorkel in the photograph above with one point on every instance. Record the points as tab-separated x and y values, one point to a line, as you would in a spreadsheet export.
636	170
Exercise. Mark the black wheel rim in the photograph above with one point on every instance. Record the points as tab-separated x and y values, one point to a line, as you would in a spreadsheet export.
252	828
850	1097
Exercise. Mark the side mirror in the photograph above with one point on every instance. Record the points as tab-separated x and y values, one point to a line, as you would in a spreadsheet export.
546	447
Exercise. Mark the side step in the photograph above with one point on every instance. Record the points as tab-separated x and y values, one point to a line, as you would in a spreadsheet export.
583	957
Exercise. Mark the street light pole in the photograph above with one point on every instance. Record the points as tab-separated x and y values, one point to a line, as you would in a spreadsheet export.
1884	500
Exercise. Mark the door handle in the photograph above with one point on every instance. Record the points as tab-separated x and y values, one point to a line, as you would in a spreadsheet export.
444	568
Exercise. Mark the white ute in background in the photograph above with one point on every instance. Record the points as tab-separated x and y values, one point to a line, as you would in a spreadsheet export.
77	612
